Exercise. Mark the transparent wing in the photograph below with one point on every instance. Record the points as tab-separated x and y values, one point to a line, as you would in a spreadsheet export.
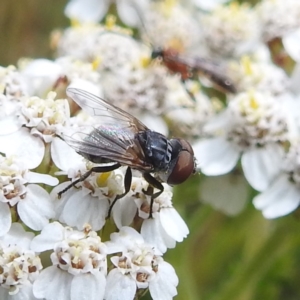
113	139
103	111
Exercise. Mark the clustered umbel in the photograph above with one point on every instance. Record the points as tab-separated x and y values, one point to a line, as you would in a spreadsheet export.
80	254
18	267
257	120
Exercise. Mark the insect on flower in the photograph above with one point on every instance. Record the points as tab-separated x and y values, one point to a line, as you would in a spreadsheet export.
122	140
190	67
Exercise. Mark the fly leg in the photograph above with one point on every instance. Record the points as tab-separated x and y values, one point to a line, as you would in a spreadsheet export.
154	183
87	174
127	185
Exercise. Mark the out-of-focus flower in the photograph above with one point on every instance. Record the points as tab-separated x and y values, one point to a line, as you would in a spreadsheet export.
19	265
254	125
223	34
79	264
40	76
139	266
283	196
208	5
31	202
285	17
261	76
167	24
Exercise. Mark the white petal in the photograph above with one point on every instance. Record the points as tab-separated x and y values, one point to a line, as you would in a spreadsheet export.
53	284
88	287
40	76
119	286
5	218
33	177
280	199
86	10
128	11
164	285
63	155
261	165
36	209
209	5
173	224
27	148
231	195
9	125
18	236
50	235
291	44
154	234
24	293
124	211
85	209
216	156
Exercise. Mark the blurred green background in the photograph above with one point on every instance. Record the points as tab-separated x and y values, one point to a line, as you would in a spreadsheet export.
229	258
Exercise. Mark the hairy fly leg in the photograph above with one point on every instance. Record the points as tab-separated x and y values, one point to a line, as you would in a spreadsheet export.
127	185
102	169
153	183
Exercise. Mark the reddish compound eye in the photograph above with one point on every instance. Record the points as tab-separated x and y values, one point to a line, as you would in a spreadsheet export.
185	165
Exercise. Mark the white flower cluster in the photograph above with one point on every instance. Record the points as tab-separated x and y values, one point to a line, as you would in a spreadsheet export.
106	249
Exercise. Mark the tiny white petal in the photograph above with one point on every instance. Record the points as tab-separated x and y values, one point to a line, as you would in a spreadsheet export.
18	236
280	199
164	285
82	209
53	284
128	12
9	125
63	155
87	10
50	235
5	218
291	44
231	195
216	156
36	209
25	293
119	286
261	165
173	224
33	177
154	234
88	286
29	149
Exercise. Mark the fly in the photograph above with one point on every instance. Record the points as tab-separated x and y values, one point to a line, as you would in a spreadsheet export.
121	139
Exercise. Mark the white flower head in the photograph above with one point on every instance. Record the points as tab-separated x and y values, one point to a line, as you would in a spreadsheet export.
19	265
168	24
164	228
223	34
262	76
31	202
11	82
90	201
278	17
78	263
283	196
185	117
138	89
45	116
254	125
139	266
